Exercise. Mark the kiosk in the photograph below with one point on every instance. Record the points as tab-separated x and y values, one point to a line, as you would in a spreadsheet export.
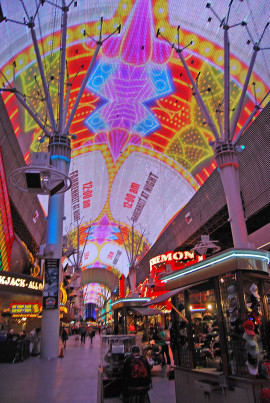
220	333
131	317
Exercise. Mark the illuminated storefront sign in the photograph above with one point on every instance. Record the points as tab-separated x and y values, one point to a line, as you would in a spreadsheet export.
163	264
30	310
21	282
174	256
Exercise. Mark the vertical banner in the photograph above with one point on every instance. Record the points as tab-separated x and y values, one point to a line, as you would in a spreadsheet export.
122	287
51	284
6	226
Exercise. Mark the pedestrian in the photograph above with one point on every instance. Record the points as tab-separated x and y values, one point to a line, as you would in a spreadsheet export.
92	333
136	372
163	337
64	337
83	333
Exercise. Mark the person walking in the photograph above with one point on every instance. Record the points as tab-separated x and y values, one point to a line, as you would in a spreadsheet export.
91	333
83	333
64	337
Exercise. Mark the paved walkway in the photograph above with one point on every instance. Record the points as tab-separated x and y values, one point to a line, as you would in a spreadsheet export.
72	379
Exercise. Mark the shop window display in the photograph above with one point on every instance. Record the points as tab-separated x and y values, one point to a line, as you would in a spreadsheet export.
246	341
233	324
227	326
196	341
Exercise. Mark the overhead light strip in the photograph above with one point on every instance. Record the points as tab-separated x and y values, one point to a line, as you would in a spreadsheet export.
131	299
202	266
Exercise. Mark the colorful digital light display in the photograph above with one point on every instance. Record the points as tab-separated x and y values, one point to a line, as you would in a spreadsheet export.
142	147
94	293
6	227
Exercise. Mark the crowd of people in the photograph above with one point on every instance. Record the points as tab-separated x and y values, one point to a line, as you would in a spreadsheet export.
81	331
136	370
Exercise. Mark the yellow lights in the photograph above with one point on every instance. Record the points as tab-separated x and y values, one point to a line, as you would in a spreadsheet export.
63	309
209	306
63	295
24	311
190	307
20	282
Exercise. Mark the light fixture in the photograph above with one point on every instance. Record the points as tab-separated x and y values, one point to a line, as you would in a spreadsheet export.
217	259
240	148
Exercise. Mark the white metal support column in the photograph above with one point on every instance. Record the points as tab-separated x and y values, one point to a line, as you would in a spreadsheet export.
60	152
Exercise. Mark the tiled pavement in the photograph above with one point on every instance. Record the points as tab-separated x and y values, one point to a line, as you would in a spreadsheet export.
71	379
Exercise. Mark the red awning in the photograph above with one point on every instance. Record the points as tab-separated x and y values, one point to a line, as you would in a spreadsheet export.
164	297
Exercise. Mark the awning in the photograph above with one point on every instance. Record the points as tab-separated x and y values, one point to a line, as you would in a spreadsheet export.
147	311
164	297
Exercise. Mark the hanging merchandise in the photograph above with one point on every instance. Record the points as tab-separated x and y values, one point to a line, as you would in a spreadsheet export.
233	312
254	291
248	326
254	307
231	292
251	347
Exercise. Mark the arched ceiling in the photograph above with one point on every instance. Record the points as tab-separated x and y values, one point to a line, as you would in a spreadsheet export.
104	277
142	148
95	293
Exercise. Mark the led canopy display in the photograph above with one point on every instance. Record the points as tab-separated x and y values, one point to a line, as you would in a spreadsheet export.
142	148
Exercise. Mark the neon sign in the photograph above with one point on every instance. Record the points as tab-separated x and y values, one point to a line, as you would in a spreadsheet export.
174	256
25	310
21	282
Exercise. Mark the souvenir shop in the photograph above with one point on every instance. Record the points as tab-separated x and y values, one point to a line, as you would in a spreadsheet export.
220	334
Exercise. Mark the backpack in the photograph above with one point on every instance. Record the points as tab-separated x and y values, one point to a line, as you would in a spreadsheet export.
138	368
